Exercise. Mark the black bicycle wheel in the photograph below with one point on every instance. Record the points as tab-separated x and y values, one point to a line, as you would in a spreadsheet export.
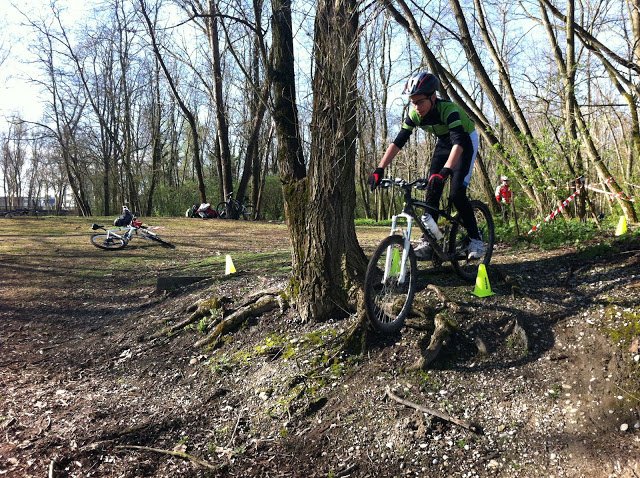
221	209
154	237
459	242
388	302
108	242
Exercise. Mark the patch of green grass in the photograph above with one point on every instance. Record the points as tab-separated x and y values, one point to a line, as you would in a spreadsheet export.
515	344
221	364
270	342
259	262
203	324
426	381
555	391
320	337
372	222
622	326
242	357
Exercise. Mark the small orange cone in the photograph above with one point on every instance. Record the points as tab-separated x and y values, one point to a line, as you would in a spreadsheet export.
482	288
229	268
622	226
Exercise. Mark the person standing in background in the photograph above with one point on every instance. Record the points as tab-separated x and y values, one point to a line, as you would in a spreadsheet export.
504	196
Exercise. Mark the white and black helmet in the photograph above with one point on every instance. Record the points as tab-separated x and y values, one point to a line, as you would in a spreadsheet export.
423	83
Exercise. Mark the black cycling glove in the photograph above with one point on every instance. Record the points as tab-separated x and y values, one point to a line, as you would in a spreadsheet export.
375	177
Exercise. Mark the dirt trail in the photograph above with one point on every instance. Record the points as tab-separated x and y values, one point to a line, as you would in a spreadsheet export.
83	381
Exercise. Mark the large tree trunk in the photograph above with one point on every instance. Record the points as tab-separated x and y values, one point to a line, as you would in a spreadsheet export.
634	9
320	208
333	255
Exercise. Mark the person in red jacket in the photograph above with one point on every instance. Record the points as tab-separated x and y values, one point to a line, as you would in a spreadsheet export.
504	196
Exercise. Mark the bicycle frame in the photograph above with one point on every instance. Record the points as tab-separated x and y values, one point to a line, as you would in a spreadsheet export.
126	237
409	214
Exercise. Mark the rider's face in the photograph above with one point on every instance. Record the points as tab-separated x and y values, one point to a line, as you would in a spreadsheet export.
421	103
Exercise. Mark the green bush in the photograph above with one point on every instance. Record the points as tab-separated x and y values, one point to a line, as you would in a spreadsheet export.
561	232
272	201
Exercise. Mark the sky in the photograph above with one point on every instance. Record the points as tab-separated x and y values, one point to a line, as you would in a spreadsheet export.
18	96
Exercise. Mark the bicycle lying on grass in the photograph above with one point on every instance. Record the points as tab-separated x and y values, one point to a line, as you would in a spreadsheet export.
390	281
118	238
233	209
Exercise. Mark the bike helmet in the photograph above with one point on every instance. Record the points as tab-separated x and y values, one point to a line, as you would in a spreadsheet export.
422	84
504	178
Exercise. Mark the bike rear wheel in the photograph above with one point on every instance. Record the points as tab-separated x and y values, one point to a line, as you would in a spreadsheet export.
154	237
459	243
108	241
388	303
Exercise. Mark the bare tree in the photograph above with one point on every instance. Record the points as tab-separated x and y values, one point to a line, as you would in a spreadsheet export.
588	141
191	118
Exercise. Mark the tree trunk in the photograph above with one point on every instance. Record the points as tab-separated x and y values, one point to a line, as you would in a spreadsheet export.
290	156
333	256
221	117
156	138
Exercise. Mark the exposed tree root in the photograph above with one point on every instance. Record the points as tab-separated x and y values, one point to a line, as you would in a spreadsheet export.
517	332
180	454
255	305
443	330
199	310
435	413
355	343
444	326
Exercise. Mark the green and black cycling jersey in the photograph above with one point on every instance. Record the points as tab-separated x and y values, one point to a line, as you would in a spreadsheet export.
446	120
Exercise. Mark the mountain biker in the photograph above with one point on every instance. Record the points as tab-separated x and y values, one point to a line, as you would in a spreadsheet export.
123	219
454	154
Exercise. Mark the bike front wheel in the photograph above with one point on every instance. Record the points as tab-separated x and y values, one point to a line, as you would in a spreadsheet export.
459	243
108	241
154	237
388	301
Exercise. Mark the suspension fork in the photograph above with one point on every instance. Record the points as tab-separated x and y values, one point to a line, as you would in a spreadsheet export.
406	236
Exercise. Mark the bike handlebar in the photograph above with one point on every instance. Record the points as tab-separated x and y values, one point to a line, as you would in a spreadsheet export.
420	183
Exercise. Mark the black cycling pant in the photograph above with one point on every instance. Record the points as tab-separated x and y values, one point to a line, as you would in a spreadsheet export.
457	191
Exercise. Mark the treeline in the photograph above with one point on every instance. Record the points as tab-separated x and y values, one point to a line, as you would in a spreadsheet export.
160	104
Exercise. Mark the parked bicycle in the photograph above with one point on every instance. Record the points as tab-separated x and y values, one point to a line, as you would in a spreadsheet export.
120	236
390	281
233	209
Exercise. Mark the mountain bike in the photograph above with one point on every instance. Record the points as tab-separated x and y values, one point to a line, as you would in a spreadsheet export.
118	238
390	280
232	208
